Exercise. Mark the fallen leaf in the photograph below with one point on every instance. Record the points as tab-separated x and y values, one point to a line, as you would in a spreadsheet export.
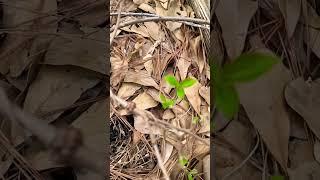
316	150
149	67
56	88
206	167
141	77
234	17
154	94
306	171
300	152
183	64
267	110
197	51
304	98
85	53
127	90
142	125
119	69
145	101
168	149
193	96
205	93
290	10
168	114
146	7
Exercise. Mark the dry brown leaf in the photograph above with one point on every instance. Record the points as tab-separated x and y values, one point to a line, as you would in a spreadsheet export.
149	67
316	150
141	77
136	137
146	7
234	17
193	96
85	53
267	110
154	30
304	98
168	149
142	125
290	10
119	69
154	93
145	101
205	93
56	88
204	120
206	167
127	90
300	152
142	30
306	171
183	64
197	52
168	114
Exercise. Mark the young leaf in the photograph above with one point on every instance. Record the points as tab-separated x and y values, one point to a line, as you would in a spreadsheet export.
191	174
188	82
171	80
180	92
226	100
195	119
171	102
248	67
165	105
183	161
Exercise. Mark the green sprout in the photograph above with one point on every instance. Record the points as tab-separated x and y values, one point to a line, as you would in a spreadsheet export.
195	120
247	67
183	161
179	86
277	177
191	174
166	102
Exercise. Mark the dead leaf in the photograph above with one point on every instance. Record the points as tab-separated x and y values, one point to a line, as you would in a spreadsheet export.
146	7
56	88
300	152
168	114
183	64
168	149
306	171
142	125
193	96
119	68
234	17
304	98
206	167
197	52
127	90
290	10
205	93
85	53
316	150
267	110
141	77
154	94
145	101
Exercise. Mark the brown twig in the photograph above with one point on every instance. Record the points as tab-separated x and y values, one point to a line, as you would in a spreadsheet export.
117	23
156	19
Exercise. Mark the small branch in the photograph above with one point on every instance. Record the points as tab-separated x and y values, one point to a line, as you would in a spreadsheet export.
117	24
156	19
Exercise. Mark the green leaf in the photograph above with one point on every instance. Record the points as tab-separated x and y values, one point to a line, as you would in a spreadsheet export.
277	177
248	67
171	80
180	92
183	161
171	102
190	176
188	82
226	100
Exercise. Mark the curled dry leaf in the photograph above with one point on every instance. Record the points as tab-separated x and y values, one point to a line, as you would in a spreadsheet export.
267	110
119	69
85	53
193	96
141	77
145	101
304	98
234	17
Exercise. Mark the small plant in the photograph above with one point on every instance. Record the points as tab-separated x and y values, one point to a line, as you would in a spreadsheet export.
195	120
191	174
166	102
247	67
179	86
277	177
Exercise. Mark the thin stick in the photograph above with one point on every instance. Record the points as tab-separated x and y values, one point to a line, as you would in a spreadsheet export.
156	19
117	24
159	158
